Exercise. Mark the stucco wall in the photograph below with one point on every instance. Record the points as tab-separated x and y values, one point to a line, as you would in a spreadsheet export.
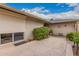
63	28
30	25
77	24
13	22
9	24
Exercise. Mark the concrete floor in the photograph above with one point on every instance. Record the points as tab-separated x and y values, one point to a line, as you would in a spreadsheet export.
52	46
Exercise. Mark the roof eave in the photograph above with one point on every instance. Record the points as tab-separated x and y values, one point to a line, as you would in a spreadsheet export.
21	12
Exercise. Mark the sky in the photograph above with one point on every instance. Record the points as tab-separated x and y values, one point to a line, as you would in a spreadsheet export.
49	10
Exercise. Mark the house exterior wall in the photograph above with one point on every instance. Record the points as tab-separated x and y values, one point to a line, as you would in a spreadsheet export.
63	28
77	24
12	22
30	25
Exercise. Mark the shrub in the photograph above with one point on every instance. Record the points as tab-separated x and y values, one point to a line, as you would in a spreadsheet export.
74	37
40	33
70	36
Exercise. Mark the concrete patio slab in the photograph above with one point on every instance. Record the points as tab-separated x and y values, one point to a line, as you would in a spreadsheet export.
52	46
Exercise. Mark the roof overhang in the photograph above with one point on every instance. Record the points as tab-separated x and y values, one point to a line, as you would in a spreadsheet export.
63	20
4	6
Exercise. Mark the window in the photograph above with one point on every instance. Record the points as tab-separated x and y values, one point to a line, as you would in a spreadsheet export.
18	36
6	38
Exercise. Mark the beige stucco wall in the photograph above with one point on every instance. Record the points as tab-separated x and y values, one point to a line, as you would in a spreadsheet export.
13	22
9	24
77	24
30	25
63	28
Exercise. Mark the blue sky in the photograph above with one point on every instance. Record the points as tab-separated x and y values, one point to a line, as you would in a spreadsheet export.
53	7
50	10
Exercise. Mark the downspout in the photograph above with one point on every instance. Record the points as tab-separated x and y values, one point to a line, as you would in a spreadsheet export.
0	38
76	27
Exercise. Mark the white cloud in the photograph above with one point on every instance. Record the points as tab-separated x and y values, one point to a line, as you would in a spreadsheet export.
36	9
75	5
72	4
58	4
39	11
76	9
66	15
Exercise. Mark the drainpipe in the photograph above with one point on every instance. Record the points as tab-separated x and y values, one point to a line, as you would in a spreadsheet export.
76	27
0	38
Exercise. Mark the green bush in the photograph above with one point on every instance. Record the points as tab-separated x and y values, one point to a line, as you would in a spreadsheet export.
72	36
41	33
76	37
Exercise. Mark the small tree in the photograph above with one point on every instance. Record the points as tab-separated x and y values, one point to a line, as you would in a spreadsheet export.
70	36
76	40
74	37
